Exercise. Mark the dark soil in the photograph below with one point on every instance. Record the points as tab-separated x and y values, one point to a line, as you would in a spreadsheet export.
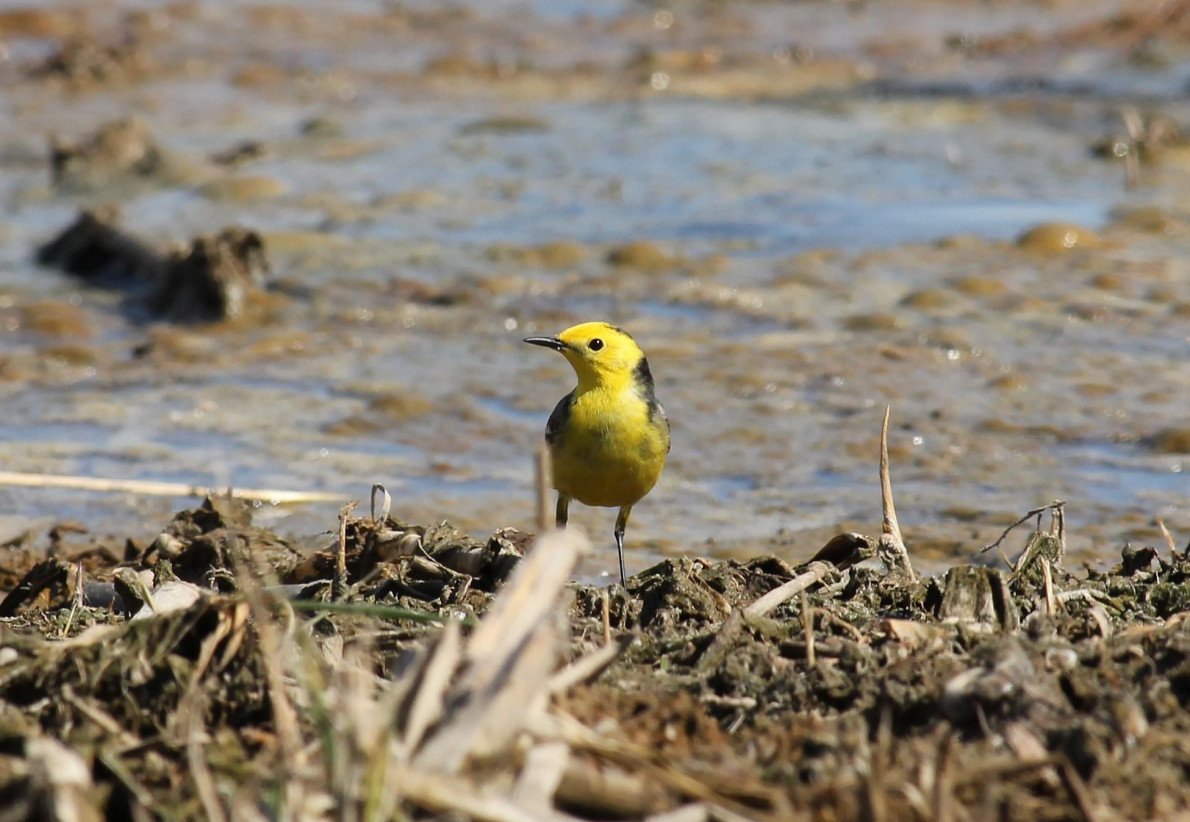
981	693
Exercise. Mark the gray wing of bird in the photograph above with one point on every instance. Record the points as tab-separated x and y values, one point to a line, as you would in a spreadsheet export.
557	421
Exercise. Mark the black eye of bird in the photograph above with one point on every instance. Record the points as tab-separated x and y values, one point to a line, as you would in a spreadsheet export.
595	344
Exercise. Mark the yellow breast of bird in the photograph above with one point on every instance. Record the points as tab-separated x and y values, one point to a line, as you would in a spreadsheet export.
611	450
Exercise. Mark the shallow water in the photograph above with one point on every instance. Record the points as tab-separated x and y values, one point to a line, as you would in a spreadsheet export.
832	252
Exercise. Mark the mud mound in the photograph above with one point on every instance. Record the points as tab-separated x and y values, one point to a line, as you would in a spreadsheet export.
214	279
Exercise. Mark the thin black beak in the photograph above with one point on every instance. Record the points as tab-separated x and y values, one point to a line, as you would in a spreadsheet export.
547	342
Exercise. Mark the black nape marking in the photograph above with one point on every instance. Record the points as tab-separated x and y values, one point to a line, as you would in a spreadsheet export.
643	378
619	330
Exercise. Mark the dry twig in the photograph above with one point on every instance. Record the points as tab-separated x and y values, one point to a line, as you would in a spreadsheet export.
815	573
1036	512
339	581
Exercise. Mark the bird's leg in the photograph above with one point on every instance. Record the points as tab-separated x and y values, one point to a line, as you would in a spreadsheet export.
562	512
621	524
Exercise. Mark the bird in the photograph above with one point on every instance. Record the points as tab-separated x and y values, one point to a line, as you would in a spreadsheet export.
609	437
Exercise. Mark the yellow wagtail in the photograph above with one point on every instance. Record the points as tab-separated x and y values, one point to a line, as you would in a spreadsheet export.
608	438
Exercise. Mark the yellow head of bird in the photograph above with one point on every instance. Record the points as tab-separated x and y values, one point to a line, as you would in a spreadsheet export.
600	353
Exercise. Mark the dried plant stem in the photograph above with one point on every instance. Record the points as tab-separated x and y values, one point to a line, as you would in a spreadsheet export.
889	524
1058	527
607	618
100	717
508	659
339	582
584	669
891	548
196	758
76	602
285	719
427	703
1173	548
808	628
1084	594
647	762
284	715
140	794
1051	604
446	794
161	489
943	780
545	766
878	760
541	484
815	572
